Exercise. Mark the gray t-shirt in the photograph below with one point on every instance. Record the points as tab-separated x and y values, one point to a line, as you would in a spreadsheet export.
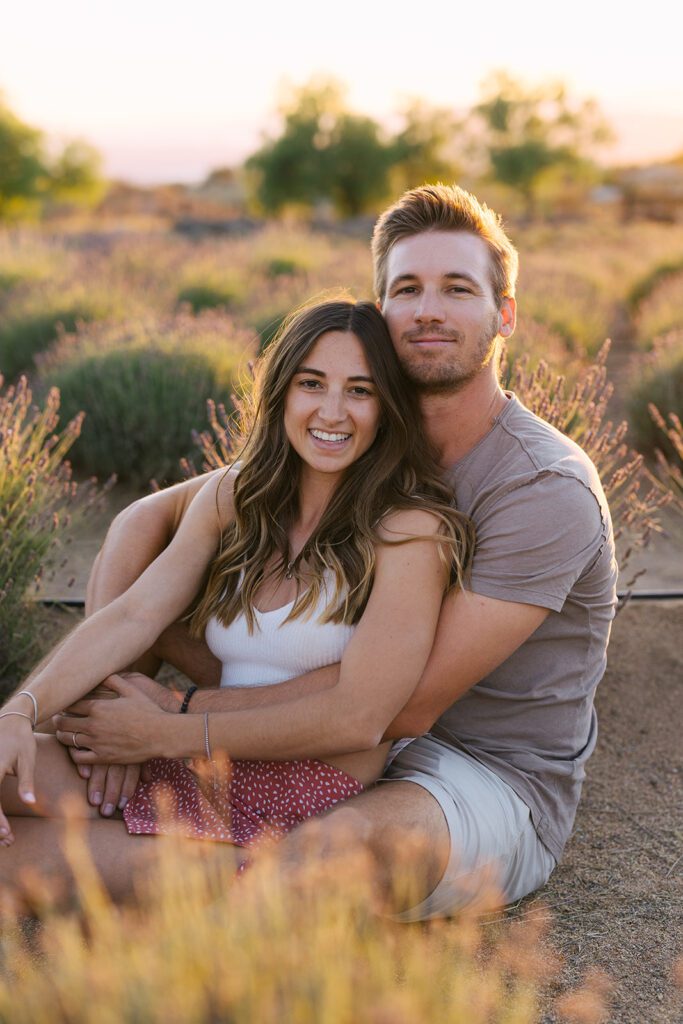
544	537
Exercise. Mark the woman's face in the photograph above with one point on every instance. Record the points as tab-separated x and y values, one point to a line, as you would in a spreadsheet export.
332	411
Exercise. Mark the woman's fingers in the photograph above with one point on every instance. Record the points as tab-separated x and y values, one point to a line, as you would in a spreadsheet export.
25	774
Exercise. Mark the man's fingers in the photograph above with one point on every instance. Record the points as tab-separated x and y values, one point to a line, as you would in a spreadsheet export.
112	789
96	782
83	770
130	781
81	707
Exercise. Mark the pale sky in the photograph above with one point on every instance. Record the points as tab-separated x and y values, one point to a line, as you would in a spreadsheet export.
166	90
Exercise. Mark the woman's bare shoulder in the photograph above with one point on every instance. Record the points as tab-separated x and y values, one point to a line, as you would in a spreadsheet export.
218	493
404	523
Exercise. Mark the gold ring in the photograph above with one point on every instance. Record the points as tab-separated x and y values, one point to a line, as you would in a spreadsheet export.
75	743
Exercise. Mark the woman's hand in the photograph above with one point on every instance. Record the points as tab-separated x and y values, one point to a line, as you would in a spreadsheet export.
17	757
111	786
123	731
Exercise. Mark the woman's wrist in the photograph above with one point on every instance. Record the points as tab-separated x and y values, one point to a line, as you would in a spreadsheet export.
23	703
184	735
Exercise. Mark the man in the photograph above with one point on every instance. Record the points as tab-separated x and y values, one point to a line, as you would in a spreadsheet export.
506	700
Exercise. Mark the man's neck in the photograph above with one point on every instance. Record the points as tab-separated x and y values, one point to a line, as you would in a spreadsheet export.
456	422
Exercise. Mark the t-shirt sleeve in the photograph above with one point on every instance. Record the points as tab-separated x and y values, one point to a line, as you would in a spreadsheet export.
534	542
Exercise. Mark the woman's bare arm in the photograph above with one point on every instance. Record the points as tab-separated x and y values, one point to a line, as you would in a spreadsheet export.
381	666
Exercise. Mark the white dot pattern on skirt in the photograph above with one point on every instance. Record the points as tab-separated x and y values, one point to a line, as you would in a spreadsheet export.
240	802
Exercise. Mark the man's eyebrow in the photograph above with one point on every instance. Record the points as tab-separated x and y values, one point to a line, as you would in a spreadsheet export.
454	275
319	373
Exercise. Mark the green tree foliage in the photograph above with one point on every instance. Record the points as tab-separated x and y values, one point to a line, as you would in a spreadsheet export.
30	178
326	153
23	176
422	149
524	134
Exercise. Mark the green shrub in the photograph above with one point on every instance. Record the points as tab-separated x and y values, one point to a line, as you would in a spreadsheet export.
662	311
210	295
32	316
35	490
281	266
659	383
570	305
267	326
646	285
579	409
144	387
534	342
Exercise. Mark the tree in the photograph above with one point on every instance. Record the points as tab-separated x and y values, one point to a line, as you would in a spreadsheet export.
75	174
325	152
525	133
423	148
23	178
30	179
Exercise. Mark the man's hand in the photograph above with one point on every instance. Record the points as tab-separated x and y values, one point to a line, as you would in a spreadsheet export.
122	732
111	786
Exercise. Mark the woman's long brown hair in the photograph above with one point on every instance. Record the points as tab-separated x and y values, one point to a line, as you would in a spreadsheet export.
398	471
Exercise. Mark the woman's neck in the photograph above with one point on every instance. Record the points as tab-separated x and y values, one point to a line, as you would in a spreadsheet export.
315	493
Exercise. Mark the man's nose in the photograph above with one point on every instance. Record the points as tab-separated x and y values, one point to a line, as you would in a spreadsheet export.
430	307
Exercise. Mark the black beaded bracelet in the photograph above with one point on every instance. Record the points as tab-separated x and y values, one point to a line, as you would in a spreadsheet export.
187	698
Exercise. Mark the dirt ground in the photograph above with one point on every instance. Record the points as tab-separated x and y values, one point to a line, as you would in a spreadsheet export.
617	897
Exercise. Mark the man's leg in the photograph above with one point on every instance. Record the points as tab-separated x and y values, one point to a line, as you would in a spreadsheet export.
400	828
441	833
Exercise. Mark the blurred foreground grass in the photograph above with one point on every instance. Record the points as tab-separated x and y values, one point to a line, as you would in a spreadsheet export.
200	945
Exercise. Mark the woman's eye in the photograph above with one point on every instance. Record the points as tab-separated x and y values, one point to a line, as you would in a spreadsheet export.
309	385
358	390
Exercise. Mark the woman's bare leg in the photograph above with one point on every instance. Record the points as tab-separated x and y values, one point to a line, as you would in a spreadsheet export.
37	862
59	788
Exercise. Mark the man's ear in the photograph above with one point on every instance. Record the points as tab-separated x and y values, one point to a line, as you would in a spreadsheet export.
507	317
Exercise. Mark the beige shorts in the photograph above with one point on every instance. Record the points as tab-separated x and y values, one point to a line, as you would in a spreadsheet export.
492	836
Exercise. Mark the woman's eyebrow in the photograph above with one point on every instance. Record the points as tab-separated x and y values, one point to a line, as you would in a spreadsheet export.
309	369
319	373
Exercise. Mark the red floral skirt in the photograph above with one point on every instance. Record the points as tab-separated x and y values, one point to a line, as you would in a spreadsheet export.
240	802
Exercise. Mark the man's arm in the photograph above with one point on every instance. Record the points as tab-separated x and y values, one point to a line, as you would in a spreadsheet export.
475	635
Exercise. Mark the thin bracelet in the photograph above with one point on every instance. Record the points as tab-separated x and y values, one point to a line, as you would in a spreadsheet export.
207	747
20	714
189	693
27	693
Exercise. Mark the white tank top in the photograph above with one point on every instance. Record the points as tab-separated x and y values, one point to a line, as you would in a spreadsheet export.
276	651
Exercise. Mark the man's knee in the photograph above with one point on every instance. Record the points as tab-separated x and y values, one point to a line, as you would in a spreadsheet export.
395	833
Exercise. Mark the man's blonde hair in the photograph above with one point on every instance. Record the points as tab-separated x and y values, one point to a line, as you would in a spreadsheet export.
445	208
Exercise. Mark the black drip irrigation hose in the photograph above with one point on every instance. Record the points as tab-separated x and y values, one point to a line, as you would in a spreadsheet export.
623	597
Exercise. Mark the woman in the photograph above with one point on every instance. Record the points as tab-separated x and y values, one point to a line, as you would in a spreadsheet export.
334	541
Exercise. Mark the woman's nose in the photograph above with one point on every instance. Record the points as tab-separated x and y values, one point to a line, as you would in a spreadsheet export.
332	408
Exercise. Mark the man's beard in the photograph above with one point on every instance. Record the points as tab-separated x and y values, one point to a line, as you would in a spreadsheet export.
441	377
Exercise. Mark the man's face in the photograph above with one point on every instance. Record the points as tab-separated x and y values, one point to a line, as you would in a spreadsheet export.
440	308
